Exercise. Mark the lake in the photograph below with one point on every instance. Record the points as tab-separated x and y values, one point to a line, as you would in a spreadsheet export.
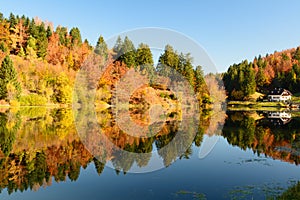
44	156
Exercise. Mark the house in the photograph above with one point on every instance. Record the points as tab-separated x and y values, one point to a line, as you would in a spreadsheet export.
279	94
279	118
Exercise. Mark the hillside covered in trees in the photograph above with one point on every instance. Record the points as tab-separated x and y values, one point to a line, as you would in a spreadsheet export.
39	63
280	69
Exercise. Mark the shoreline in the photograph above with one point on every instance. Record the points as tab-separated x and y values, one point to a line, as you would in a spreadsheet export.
250	105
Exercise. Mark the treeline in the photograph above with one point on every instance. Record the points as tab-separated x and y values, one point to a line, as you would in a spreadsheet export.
39	63
262	137
32	38
141	58
280	69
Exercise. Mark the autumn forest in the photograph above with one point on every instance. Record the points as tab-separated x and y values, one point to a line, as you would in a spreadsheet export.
43	108
39	63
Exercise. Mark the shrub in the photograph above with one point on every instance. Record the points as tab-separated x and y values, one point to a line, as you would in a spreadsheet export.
14	103
33	100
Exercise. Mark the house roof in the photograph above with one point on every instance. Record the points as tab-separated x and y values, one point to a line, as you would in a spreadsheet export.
280	91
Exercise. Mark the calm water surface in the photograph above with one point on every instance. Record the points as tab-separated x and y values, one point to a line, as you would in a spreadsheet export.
42	157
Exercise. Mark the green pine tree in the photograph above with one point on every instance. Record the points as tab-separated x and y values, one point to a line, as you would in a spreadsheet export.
128	53
187	68
118	48
75	36
12	20
239	80
8	78
297	54
144	55
249	81
26	22
169	59
62	33
42	41
260	78
33	30
101	48
49	32
199	79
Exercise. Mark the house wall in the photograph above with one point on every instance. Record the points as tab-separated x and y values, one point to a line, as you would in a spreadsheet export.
279	98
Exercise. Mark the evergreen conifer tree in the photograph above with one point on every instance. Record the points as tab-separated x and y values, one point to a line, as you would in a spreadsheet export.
8	77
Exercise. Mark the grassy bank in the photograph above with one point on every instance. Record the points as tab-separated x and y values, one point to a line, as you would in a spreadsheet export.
256	104
249	105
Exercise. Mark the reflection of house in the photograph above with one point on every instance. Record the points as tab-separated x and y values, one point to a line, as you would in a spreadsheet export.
279	118
280	94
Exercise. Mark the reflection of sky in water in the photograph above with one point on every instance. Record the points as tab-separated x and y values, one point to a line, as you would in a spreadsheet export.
222	171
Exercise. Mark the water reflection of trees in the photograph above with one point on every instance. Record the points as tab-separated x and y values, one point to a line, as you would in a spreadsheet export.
143	146
239	130
9	124
39	145
31	170
251	130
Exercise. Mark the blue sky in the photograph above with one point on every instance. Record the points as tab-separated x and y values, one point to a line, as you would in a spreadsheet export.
229	31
